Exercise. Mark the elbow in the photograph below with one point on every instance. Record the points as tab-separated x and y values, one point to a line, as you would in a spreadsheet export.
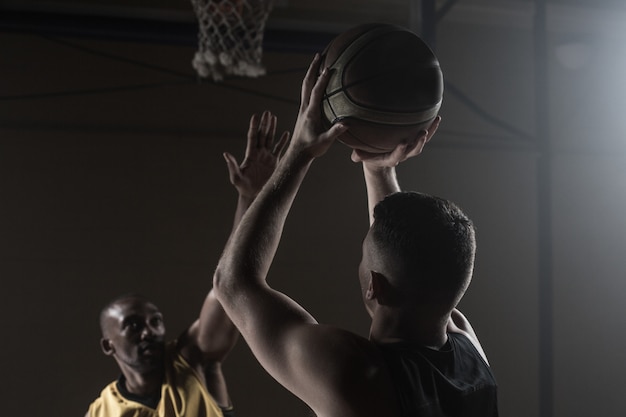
232	281
219	282
225	284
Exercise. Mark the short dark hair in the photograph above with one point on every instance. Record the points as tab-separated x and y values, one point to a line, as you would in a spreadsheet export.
105	310
430	241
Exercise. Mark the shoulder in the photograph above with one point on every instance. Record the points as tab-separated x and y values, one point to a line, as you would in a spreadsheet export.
350	369
458	323
181	356
109	399
336	347
110	390
186	346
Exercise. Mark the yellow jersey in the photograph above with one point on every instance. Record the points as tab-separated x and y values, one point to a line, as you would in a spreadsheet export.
182	395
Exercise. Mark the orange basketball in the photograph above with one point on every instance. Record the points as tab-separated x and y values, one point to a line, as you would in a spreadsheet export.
386	85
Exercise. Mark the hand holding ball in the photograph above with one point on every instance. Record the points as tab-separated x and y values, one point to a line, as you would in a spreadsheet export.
386	86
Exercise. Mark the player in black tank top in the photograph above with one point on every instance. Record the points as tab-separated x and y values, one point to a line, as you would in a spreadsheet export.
450	382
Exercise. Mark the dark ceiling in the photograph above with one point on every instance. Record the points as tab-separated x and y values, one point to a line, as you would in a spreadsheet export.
292	23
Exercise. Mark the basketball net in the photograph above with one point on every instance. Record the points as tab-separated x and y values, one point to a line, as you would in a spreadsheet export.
230	37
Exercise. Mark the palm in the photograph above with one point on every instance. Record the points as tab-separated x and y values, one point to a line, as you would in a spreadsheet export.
254	171
261	158
401	153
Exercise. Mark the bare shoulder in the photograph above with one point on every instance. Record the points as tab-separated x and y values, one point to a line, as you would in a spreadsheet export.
458	323
349	368
207	369
187	346
339	346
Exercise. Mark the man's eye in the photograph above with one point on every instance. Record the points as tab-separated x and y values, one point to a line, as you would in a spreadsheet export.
133	325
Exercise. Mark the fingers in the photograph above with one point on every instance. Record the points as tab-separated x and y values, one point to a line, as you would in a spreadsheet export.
433	128
267	130
233	167
281	144
389	159
271	133
400	153
261	132
413	147
317	93
335	131
309	81
253	129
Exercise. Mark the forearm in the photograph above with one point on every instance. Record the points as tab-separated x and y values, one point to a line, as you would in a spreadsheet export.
243	203
215	334
251	249
379	183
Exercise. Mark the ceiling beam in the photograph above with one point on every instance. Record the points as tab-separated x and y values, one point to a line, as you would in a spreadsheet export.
146	30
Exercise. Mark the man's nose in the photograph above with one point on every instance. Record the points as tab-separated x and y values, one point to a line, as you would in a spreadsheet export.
147	332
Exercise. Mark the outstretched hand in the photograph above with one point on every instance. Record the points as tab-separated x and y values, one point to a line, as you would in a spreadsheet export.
401	153
309	134
261	157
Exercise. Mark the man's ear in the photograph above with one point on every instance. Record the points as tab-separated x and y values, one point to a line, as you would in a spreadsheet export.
107	347
375	288
381	290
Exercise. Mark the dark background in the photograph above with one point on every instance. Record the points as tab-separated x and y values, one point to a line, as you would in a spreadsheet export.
112	180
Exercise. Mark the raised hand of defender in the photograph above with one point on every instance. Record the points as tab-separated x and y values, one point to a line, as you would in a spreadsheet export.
261	157
310	135
401	153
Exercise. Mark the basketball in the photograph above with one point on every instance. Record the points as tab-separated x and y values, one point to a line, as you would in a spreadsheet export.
386	85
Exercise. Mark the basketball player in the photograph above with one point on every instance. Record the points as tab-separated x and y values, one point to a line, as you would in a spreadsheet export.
422	357
181	378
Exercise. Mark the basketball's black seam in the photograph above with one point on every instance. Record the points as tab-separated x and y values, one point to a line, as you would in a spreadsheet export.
350	59
330	94
330	106
340	74
373	76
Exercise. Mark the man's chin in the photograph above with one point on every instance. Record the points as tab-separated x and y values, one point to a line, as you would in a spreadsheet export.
152	354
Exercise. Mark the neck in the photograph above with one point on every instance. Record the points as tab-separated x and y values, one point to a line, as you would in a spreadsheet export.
425	329
143	384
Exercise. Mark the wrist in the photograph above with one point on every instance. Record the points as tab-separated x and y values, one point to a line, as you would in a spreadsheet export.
298	155
378	170
245	200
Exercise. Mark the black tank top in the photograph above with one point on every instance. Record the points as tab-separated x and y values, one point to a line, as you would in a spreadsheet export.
452	382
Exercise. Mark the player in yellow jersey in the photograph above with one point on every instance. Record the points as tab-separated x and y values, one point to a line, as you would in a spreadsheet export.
181	378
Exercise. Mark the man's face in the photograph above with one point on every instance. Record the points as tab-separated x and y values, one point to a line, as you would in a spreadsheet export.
134	334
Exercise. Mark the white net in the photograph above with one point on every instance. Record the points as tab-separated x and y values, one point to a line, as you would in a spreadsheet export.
230	37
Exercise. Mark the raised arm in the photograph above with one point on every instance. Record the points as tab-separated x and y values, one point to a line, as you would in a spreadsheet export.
379	170
212	335
283	336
